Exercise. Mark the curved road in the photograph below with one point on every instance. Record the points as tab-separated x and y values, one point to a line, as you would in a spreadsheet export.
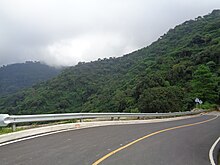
180	142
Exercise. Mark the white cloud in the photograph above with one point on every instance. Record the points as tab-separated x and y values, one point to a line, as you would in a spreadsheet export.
85	48
66	32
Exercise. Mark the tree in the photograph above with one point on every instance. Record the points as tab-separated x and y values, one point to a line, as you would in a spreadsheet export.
161	99
205	84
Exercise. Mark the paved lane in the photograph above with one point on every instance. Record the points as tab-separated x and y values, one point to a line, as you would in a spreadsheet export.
184	146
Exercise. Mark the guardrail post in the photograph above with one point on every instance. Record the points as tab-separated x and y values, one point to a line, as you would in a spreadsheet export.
112	118
13	127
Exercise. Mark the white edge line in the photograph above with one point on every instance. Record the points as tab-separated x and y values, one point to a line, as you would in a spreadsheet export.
212	150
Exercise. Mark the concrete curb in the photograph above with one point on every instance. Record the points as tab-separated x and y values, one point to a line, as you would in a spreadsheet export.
74	126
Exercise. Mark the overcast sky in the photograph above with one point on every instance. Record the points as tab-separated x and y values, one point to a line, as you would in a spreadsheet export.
64	32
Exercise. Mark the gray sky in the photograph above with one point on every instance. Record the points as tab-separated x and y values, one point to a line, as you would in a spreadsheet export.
64	32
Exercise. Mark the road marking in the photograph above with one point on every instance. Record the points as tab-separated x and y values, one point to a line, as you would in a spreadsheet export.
147	136
211	152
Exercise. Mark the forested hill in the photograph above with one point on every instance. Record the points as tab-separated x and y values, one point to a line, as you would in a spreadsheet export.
165	76
20	75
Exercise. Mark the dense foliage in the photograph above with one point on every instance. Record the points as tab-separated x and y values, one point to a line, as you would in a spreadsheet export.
20	75
163	77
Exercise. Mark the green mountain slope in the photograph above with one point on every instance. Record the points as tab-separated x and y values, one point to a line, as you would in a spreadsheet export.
165	76
21	75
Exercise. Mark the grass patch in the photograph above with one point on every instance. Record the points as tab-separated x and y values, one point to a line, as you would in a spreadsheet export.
4	130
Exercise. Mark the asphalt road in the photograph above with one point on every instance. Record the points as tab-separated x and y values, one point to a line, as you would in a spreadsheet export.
188	145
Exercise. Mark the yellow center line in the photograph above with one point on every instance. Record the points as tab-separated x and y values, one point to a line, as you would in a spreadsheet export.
149	135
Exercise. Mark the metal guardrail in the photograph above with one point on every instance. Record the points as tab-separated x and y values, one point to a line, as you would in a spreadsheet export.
6	119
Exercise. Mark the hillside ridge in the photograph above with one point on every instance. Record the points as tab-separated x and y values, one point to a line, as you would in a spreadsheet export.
17	76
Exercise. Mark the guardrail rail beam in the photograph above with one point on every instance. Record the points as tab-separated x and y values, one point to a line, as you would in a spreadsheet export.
6	119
